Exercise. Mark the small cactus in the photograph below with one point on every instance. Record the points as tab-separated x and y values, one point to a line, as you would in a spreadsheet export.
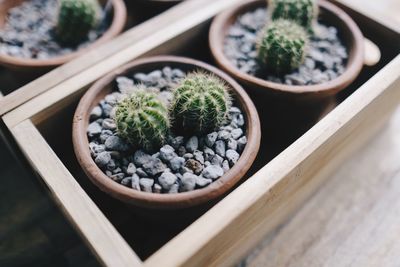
303	12
282	46
142	120
75	19
201	103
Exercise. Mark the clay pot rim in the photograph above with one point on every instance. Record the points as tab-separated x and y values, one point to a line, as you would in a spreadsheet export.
353	67
116	27
165	201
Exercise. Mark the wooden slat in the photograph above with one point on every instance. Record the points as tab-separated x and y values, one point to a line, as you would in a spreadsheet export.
225	233
107	244
83	70
353	220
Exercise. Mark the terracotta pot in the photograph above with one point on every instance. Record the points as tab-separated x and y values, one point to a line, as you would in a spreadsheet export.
34	67
153	200
331	15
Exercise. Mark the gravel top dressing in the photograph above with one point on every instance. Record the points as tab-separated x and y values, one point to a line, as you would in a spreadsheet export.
325	60
29	31
183	164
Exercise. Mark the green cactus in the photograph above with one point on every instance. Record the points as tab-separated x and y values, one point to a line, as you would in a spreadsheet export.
75	19
142	120
201	103
282	46
303	12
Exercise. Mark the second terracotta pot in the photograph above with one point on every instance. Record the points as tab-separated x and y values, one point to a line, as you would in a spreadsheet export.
331	15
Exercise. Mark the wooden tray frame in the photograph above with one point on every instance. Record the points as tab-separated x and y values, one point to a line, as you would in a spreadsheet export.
237	223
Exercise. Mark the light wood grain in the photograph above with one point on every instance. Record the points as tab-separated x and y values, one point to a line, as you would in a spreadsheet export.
386	12
139	40
353	220
110	248
266	199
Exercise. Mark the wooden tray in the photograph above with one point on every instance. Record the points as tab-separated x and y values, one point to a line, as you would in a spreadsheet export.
279	183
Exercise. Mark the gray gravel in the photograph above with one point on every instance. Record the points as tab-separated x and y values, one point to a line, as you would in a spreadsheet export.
183	164
326	58
29	31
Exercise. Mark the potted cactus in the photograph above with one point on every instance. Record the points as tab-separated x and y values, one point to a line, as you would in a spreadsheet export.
289	48
172	133
292	56
59	30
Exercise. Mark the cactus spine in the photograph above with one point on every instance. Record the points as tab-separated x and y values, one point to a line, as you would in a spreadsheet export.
303	12
75	19
201	103
282	46
142	119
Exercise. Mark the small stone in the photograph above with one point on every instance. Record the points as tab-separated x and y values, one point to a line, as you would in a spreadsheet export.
103	159
213	172
157	188
154	166
141	77
176	142
184	170
194	165
198	155
188	182
104	135
96	113
207	163
217	160
93	129
95	149
156	155
110	99
141	173
224	135
127	181
238	120
236	133
220	148
202	182
177	163
188	156
241	143
192	144
135	182
146	184
166	180
111	165
181	151
154	76
208	153
232	144
140	158
167	153
177	73
117	177
225	166
174	189
117	170
234	110
232	156
109	124
131	169
116	143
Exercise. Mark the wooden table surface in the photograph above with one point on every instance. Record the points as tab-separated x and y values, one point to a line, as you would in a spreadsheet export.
353	219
